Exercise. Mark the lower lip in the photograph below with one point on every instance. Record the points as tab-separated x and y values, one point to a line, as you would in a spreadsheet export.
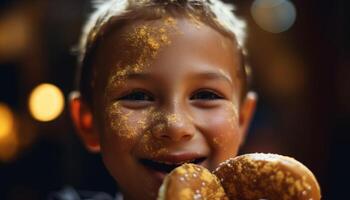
158	175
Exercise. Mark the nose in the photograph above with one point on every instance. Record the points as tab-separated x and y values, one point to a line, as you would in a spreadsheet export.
175	127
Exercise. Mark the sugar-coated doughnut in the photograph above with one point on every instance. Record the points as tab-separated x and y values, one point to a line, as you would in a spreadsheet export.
191	182
267	176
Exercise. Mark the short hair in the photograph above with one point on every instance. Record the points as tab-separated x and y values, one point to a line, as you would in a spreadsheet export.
110	12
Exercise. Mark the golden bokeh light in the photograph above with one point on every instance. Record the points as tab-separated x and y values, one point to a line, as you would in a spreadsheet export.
8	137
6	121
9	146
46	102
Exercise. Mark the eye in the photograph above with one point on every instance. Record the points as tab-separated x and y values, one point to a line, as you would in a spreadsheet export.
205	95
137	96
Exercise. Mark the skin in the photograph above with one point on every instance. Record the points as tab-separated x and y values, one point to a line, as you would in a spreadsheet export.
182	104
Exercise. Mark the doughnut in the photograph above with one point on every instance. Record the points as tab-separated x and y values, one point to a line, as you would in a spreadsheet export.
191	182
261	176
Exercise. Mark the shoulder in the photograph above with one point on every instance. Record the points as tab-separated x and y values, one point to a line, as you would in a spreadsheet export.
69	193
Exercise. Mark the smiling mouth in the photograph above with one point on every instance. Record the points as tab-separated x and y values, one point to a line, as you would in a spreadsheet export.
167	167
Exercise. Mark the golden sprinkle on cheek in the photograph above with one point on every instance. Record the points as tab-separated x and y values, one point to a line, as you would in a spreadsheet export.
119	121
142	124
233	117
216	141
162	30
235	110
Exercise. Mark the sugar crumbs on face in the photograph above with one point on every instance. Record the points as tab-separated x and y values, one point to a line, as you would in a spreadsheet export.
147	40
118	121
151	120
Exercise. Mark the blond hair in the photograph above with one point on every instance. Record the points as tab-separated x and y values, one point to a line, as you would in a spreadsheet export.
106	9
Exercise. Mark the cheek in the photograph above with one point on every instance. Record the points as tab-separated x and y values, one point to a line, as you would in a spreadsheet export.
123	127
119	122
128	129
221	129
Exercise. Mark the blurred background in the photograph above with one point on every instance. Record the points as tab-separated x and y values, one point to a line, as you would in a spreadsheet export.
299	53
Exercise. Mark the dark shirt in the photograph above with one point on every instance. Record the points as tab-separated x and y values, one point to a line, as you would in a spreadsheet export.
69	193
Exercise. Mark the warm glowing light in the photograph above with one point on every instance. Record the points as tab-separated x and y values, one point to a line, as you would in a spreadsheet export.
46	102
274	16
8	137
9	147
6	121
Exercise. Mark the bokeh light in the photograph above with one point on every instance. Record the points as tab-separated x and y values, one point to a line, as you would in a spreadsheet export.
9	147
274	16
46	102
6	121
8	134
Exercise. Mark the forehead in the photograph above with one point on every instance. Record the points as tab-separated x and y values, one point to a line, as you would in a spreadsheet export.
168	43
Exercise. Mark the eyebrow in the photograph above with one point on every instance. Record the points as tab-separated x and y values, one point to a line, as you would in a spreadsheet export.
210	75
139	75
215	76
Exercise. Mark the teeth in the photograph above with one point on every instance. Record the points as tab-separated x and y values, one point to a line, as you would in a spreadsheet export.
175	163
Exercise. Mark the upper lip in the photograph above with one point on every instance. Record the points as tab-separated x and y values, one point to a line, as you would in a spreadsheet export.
166	163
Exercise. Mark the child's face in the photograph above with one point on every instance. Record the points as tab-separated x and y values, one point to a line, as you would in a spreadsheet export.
166	92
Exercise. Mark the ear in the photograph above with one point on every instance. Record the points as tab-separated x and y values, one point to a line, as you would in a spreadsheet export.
246	113
83	121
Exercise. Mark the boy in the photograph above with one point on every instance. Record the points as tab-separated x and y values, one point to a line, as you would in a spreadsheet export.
162	83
